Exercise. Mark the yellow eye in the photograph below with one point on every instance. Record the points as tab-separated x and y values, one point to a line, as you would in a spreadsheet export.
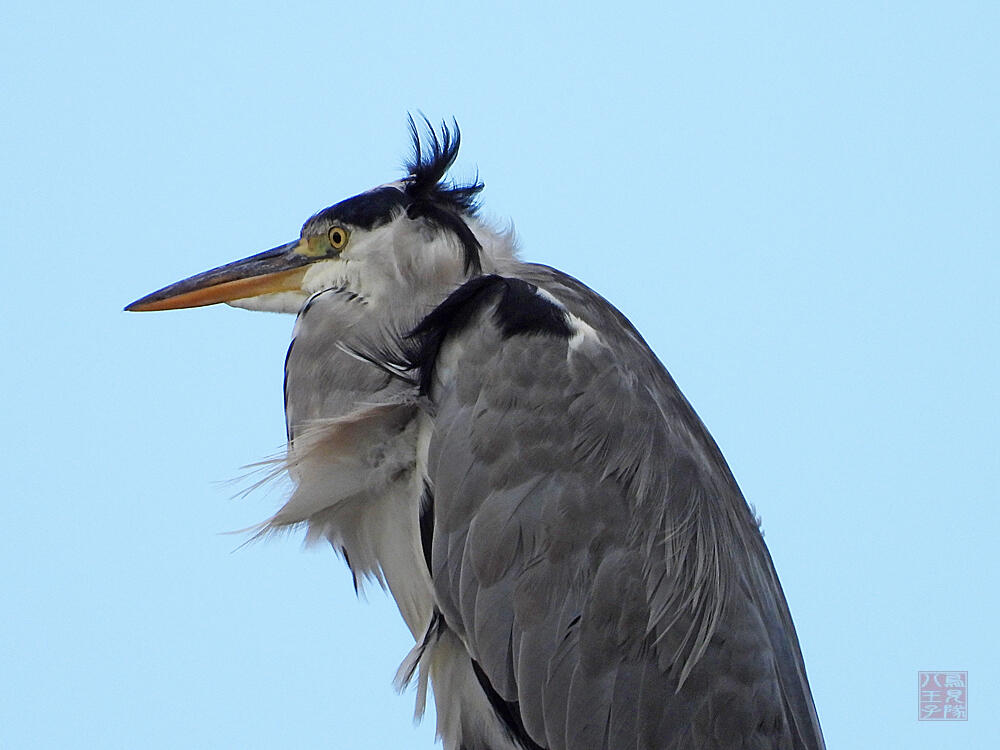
338	237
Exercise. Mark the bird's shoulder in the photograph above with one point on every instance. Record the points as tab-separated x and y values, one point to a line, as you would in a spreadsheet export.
584	536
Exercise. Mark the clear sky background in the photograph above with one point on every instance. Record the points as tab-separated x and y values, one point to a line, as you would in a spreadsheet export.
796	205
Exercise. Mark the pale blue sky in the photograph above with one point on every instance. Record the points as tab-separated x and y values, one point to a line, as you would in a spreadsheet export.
797	206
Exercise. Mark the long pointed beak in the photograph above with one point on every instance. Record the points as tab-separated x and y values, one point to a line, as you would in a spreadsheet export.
277	270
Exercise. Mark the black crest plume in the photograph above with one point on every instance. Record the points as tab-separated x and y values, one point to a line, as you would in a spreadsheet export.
432	197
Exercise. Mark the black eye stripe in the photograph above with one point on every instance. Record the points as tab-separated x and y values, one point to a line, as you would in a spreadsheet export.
365	211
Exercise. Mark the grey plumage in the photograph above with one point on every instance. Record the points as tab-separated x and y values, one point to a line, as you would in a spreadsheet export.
498	446
615	570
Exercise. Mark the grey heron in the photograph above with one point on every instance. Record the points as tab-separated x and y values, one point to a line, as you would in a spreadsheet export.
496	445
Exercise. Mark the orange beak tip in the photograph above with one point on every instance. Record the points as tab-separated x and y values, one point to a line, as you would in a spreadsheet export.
221	285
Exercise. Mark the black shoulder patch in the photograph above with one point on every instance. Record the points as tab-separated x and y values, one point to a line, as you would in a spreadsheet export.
523	311
427	524
451	316
520	311
509	712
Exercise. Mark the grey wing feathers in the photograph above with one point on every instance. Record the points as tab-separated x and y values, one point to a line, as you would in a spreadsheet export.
590	546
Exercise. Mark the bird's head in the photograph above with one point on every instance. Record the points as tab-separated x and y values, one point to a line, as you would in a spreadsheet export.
388	245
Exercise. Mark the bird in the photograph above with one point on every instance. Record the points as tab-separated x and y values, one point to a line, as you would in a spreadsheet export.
496	445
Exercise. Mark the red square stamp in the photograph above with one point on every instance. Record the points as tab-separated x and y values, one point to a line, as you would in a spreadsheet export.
942	696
